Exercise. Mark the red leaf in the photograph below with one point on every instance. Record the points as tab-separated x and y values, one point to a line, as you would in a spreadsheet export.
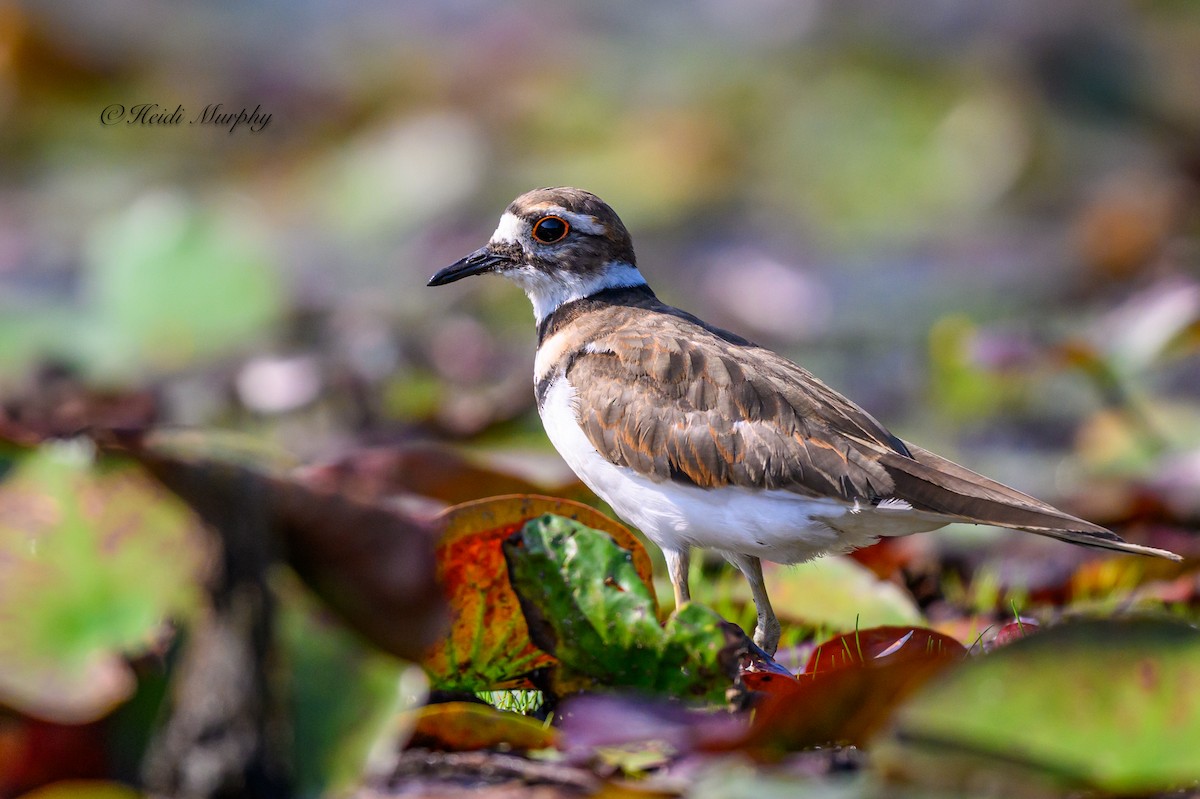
767	682
896	643
850	688
1013	631
35	753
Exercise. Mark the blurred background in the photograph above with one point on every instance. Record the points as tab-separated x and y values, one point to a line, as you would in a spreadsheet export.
981	221
978	220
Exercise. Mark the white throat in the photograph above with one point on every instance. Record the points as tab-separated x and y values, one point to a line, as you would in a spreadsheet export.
548	291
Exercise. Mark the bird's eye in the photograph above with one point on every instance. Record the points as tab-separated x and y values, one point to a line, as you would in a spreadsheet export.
550	229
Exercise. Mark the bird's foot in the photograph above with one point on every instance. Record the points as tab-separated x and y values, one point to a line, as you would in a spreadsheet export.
766	634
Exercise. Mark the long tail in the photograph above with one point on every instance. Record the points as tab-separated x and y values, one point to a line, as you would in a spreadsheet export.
931	483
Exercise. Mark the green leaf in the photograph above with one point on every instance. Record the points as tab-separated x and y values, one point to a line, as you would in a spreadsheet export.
838	593
1103	704
488	645
93	557
585	604
172	282
337	725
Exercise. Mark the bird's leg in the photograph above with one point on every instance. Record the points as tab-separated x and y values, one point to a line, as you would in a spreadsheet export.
678	561
766	631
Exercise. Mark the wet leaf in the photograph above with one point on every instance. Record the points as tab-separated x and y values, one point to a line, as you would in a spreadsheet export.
586	604
93	557
1109	705
464	726
849	689
489	646
767	682
1012	631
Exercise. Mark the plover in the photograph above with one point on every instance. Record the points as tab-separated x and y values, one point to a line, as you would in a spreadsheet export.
701	438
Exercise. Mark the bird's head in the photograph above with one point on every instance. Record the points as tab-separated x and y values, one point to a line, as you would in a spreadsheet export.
558	244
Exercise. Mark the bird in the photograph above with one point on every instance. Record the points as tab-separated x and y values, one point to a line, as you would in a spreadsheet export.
702	439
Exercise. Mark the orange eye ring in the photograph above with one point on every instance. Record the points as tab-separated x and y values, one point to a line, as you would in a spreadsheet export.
550	229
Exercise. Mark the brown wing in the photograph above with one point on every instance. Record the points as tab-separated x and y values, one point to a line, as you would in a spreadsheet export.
675	401
930	482
667	395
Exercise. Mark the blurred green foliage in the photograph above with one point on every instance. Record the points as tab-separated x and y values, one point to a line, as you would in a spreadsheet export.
337	723
93	558
173	284
1113	708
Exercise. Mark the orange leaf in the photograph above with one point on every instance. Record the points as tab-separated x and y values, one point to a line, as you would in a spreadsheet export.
465	726
489	645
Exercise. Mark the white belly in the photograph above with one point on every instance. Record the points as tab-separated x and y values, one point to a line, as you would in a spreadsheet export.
778	526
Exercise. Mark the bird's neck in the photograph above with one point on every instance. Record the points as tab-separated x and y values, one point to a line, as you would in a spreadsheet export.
549	292
640	295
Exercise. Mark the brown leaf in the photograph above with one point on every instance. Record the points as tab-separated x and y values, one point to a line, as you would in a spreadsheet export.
57	405
372	564
430	470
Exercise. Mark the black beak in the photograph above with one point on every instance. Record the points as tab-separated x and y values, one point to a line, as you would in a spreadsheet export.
478	262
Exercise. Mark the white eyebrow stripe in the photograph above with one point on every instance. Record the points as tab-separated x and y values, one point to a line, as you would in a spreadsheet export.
513	228
510	230
584	223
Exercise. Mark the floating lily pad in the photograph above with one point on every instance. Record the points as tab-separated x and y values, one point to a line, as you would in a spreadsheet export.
1109	705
